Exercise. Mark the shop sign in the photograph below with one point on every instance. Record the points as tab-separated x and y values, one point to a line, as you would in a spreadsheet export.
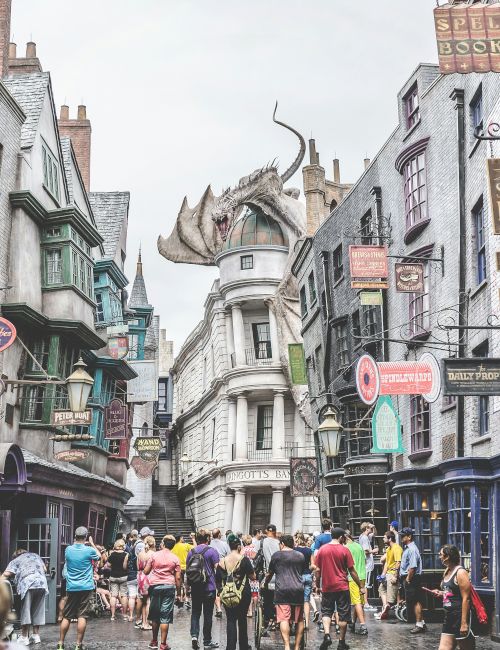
304	477
372	284
116	420
71	455
143	468
421	377
297	363
468	38
409	277
370	298
148	448
368	261
8	334
144	387
475	376
386	428
118	347
494	185
68	418
367	379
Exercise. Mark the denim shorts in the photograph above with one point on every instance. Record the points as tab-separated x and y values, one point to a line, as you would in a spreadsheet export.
307	579
161	608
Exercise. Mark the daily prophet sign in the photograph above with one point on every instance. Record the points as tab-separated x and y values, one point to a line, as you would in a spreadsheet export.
475	376
468	38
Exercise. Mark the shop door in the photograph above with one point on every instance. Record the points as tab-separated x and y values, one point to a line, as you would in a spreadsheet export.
41	535
260	511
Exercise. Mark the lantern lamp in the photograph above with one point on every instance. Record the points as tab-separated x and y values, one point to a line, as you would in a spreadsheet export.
330	432
79	385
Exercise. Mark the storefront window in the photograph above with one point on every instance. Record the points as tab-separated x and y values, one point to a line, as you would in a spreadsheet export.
368	503
339	506
96	525
429	525
460	520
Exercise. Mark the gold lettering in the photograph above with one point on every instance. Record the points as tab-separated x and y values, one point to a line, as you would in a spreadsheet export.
493	22
462	47
444	47
476	22
458	23
442	25
495	47
479	47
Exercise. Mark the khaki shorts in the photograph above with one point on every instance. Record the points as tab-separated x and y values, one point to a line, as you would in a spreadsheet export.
389	588
356	596
118	587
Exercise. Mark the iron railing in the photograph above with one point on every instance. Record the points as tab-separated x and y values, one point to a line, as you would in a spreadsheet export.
257	356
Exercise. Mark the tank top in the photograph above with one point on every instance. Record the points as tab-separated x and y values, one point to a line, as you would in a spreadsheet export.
452	599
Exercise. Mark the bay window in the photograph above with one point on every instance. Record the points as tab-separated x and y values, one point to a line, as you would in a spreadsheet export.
420	427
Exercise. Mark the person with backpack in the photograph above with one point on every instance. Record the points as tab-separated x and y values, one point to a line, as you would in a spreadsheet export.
233	576
130	547
269	546
201	564
456	594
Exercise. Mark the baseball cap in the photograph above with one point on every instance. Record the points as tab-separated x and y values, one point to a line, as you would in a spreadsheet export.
395	524
271	528
81	531
406	531
146	531
338	532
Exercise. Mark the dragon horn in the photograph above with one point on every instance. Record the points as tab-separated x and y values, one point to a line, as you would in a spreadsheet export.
302	152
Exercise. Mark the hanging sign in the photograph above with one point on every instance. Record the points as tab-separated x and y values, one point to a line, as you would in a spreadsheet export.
116	420
118	347
297	363
468	38
144	387
421	377
494	185
148	448
8	334
409	277
304	477
71	455
368	261
68	418
386	428
370	298
475	376
369	284
143	468
367	379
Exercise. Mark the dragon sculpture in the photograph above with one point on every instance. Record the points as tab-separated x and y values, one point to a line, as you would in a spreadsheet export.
199	234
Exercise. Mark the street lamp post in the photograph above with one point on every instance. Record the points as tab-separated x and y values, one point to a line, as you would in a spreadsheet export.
79	385
330	432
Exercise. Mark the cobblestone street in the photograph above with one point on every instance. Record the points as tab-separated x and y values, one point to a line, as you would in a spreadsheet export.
102	633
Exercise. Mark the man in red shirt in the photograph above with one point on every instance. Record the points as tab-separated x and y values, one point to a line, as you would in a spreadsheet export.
164	576
333	562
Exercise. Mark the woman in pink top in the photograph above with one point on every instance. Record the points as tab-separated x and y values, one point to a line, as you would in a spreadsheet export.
164	574
143	580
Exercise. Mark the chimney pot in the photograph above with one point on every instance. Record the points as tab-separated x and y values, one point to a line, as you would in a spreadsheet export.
367	162
12	51
336	170
64	112
31	50
312	151
82	112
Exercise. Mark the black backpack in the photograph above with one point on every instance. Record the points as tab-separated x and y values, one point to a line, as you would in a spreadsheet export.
259	563
196	570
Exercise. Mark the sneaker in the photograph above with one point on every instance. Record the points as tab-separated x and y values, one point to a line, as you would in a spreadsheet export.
153	644
194	643
337	629
60	646
315	617
79	646
321	627
23	640
362	631
418	629
326	643
138	624
342	646
35	638
210	646
384	614
218	613
188	604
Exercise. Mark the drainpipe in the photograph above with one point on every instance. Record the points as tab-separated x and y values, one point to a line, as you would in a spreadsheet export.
457	96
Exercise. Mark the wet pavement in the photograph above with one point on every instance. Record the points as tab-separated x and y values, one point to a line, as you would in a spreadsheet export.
113	635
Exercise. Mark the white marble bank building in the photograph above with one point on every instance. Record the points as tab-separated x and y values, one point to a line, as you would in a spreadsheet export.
234	415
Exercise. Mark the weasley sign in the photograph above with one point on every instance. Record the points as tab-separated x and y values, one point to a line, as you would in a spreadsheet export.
468	38
116	420
476	376
368	261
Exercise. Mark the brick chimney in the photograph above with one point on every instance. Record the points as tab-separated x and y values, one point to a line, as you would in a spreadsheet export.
5	13
79	131
24	65
314	190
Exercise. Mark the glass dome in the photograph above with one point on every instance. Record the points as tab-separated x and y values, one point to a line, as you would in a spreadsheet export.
255	228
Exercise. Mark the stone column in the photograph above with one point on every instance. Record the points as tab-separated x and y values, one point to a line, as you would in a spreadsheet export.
279	425
242	428
228	514
239	334
239	510
277	509
297	510
273	328
231	427
229	338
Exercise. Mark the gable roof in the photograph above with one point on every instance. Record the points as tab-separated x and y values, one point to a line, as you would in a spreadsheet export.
110	212
29	92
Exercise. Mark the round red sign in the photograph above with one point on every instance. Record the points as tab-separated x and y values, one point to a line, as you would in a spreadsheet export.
367	379
7	334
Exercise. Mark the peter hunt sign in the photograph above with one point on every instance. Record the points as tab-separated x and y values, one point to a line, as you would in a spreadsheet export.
367	262
468	38
475	376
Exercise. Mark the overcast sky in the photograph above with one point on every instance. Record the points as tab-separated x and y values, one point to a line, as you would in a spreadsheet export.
180	94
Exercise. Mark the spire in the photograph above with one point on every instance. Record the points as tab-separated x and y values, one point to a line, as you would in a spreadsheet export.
139	296
139	262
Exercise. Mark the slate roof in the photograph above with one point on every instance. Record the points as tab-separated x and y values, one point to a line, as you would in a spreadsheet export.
110	211
29	92
68	468
66	152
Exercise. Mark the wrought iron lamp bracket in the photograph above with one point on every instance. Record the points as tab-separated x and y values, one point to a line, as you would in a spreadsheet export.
491	133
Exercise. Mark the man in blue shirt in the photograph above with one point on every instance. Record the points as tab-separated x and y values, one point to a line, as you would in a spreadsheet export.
325	537
79	585
410	573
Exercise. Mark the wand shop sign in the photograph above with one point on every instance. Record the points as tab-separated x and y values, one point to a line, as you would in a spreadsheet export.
148	448
477	376
368	261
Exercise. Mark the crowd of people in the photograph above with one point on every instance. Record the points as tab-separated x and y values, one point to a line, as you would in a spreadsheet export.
297	580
